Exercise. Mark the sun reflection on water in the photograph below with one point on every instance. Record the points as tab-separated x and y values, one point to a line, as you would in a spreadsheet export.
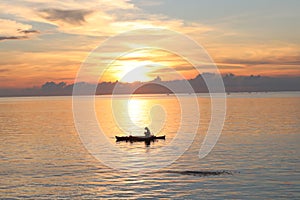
139	111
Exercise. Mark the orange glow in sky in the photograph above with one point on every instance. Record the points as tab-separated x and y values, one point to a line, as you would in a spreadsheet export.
146	65
44	41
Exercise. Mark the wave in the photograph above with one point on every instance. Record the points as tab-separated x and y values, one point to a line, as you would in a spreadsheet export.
199	173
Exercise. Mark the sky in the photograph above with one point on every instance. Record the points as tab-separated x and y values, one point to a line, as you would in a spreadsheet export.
44	41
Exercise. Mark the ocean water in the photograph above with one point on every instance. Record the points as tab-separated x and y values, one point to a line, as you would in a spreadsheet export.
256	157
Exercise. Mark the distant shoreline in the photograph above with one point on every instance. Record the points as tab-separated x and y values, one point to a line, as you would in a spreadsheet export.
198	84
161	94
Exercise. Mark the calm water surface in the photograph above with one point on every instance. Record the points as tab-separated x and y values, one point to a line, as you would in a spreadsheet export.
259	149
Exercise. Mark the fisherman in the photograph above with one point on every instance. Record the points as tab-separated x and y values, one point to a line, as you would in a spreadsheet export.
147	132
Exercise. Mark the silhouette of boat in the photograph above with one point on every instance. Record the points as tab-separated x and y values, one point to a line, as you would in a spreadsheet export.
139	138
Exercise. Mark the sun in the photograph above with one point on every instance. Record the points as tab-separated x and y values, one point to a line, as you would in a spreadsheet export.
146	65
135	66
137	71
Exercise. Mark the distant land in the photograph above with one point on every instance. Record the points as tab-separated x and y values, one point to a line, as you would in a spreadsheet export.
232	83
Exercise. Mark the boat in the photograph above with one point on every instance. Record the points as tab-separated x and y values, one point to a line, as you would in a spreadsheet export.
139	138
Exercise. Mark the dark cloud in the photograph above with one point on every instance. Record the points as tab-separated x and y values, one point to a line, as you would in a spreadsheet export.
76	17
25	35
12	37
29	31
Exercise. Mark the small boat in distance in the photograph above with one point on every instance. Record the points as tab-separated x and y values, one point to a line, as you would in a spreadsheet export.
140	138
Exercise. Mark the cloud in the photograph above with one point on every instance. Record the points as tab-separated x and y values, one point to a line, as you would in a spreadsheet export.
75	17
95	18
13	30
12	37
30	31
10	27
69	16
286	60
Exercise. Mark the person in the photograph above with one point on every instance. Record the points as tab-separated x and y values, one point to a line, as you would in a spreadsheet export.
147	132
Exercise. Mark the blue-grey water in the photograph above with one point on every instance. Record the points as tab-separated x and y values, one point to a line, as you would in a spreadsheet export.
256	157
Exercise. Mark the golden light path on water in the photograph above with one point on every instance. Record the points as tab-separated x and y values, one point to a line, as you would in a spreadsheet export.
160	115
139	112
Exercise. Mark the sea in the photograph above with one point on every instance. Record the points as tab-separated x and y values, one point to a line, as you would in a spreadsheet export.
257	156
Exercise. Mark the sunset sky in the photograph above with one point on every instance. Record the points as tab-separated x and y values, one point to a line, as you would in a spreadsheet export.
44	41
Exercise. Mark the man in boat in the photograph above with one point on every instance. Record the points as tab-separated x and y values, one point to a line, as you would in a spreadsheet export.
147	132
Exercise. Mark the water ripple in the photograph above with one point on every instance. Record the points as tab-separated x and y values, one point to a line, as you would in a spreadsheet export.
199	173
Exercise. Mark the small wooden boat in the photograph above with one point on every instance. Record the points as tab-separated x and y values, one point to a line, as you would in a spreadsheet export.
139	138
